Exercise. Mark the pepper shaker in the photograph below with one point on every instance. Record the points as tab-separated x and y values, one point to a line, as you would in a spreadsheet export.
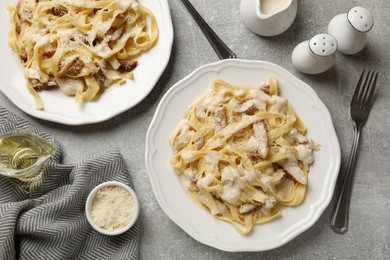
316	55
350	29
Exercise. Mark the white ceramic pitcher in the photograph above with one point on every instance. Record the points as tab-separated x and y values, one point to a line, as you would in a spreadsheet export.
268	17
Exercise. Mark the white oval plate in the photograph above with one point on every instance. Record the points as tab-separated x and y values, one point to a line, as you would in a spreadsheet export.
61	108
193	219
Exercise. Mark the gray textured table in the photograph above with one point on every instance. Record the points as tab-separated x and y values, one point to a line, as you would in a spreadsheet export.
369	234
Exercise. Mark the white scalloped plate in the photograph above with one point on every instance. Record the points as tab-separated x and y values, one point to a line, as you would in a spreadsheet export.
194	220
63	109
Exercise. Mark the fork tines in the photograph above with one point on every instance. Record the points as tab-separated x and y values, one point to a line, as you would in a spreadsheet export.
364	93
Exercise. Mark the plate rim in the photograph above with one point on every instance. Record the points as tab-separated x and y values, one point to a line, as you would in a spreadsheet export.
86	119
316	209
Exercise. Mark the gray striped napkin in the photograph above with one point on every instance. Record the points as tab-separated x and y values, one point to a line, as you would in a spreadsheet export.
48	221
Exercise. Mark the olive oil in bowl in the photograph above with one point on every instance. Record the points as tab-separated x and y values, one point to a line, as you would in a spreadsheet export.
22	155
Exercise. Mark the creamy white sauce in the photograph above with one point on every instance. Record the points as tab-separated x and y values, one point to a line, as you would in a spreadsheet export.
36	74
270	202
305	151
69	86
231	190
259	95
205	181
305	154
261	138
32	74
273	6
278	104
44	40
266	180
248	175
295	136
188	157
102	50
187	182
212	102
212	158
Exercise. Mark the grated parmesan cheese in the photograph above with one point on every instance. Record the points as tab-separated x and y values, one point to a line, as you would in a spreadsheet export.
112	208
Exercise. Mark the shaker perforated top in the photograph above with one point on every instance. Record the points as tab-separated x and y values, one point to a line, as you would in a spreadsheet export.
360	19
323	44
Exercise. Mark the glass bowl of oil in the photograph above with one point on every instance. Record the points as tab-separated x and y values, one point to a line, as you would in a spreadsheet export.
22	155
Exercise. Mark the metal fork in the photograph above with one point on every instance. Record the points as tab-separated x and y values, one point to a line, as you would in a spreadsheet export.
361	105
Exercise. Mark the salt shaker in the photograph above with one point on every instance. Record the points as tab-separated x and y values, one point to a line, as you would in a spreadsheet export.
316	55
350	29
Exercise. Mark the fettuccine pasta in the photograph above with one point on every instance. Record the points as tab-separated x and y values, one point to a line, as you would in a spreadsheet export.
243	153
80	46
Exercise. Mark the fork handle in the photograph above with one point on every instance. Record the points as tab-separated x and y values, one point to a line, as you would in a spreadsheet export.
339	221
218	45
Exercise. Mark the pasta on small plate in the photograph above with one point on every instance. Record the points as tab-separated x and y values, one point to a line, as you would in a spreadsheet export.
82	62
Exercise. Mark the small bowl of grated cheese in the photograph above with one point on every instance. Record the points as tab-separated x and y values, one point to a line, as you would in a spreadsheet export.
112	208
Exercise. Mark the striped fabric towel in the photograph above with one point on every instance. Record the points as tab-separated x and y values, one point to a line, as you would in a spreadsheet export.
48	221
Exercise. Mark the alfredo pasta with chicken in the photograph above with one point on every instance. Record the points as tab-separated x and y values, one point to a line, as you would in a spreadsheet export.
243	153
79	46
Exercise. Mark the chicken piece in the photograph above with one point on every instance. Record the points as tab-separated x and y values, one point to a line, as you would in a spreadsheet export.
251	110
198	141
200	112
38	85
295	136
127	65
246	208
203	199
290	165
190	179
114	34
249	107
305	151
266	180
70	66
47	54
250	176
100	78
181	141
261	138
278	104
222	208
18	28
265	88
25	9
183	138
205	181
57	11
191	186
219	118
23	56
269	204
258	143
190	173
